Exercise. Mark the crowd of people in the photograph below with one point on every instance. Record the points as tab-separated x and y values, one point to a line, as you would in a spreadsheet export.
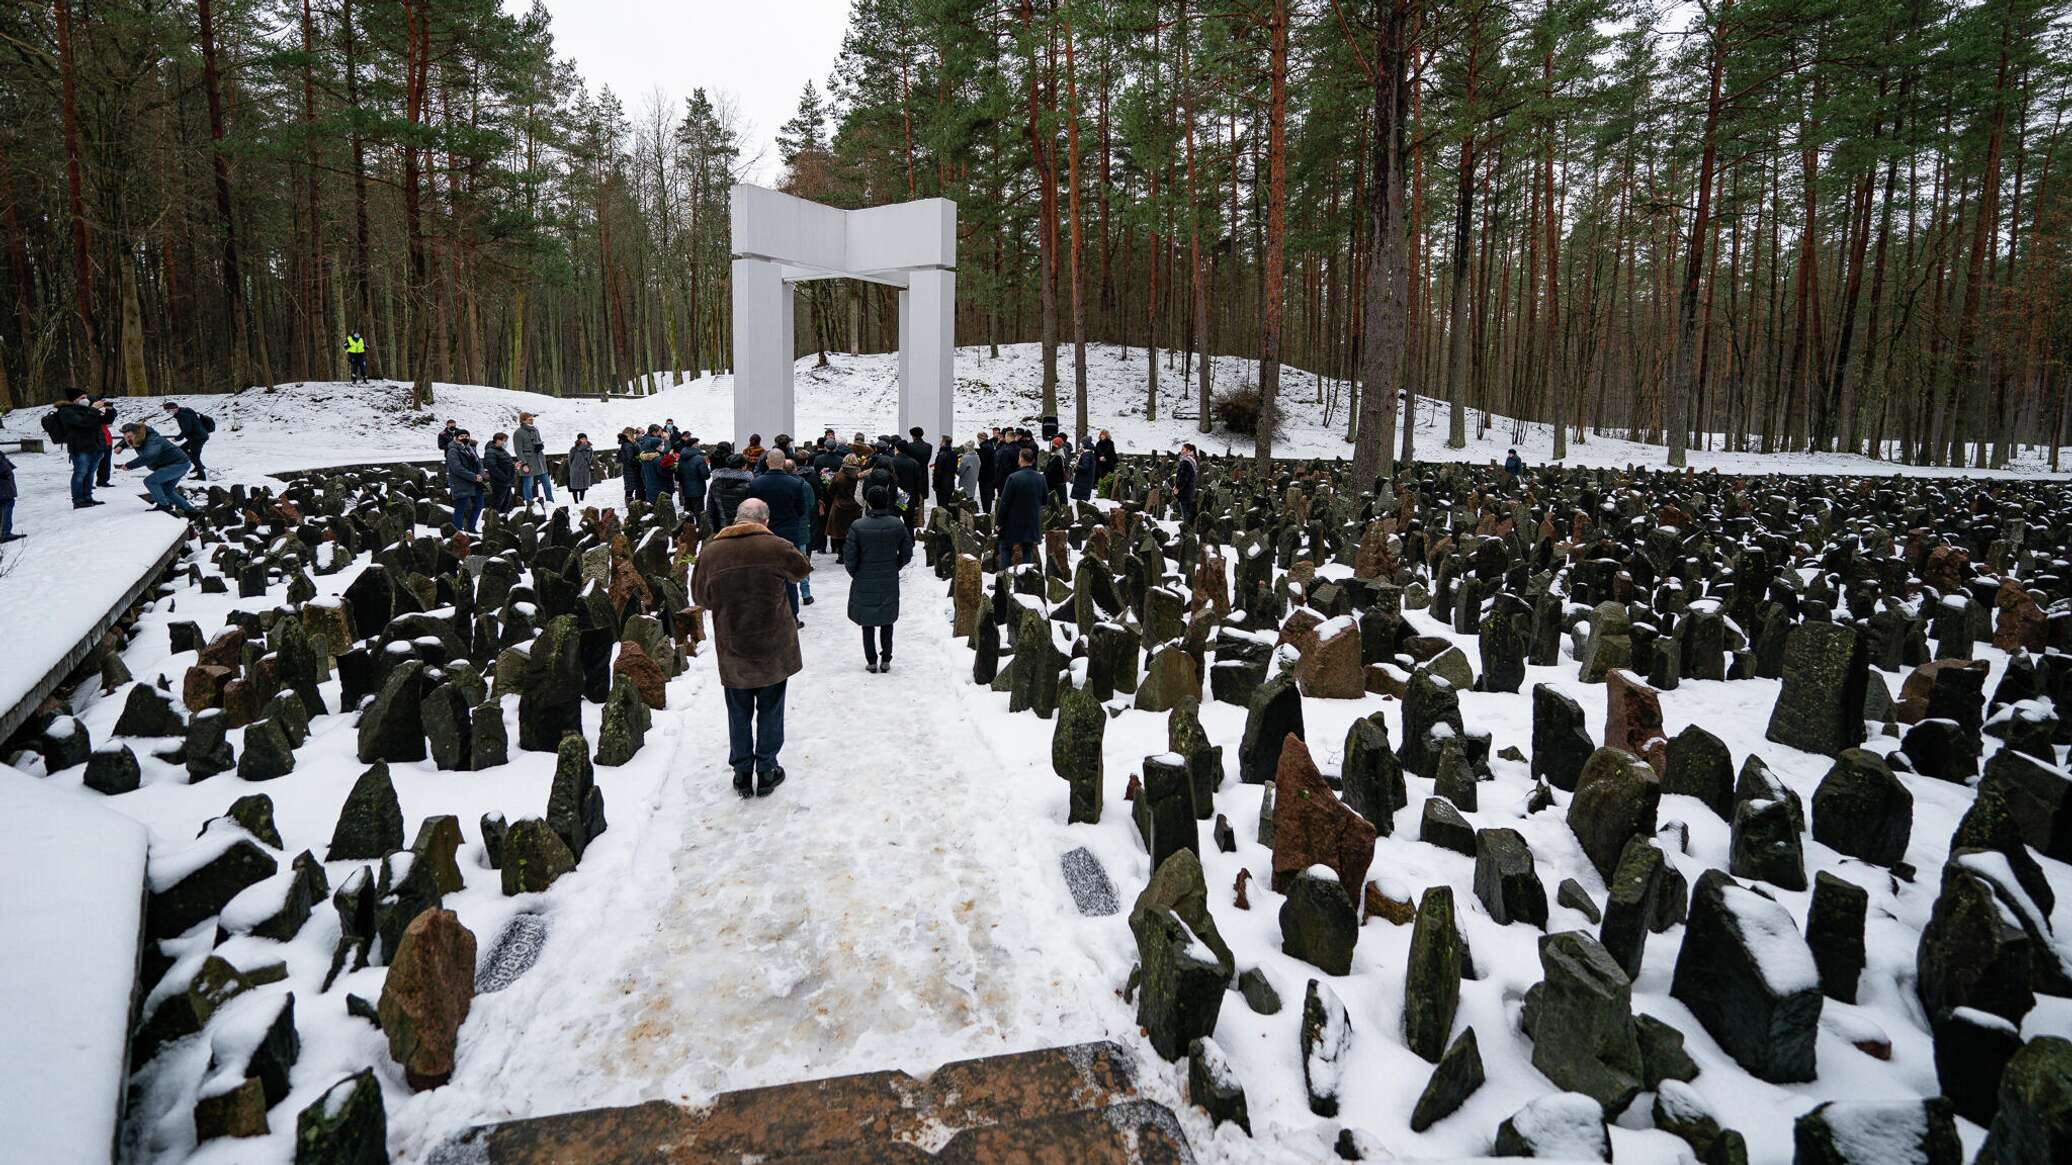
764	511
87	428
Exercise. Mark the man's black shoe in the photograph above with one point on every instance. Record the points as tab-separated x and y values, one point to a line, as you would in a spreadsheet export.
870	666
12	537
86	503
808	600
744	782
767	783
887	665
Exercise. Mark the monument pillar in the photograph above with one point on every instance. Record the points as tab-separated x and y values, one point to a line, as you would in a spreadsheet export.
763	320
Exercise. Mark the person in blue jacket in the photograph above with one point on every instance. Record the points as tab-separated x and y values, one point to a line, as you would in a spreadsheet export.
164	464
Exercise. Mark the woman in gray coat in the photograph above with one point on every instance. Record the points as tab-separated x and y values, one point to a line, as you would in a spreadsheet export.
967	471
531	453
877	546
582	467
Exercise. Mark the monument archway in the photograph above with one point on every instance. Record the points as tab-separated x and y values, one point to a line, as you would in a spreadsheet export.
780	240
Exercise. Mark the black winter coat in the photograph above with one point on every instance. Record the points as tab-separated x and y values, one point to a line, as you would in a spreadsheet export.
1104	458
7	487
501	466
988	454
943	476
878	546
906	473
723	494
188	424
1021	508
83	427
1183	478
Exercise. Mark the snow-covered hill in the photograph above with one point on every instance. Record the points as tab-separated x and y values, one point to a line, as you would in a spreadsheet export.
298	425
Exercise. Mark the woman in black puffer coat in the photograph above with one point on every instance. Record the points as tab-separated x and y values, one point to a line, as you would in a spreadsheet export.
876	548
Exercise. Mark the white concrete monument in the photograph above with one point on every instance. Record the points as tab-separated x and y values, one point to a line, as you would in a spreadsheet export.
780	240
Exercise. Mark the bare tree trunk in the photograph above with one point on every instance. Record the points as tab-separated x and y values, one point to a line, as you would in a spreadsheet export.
1270	288
1047	216
75	182
1078	263
1197	277
1550	360
1388	273
1684	371
416	96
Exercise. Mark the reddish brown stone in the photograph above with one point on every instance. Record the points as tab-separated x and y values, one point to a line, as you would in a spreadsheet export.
1380	905
1945	569
430	987
1372	559
635	664
1300	630
1914	690
627	586
1211	583
1135	787
225	650
2020	622
1330	669
266	677
1057	552
1633	718
1311	826
241	703
203	686
1239	898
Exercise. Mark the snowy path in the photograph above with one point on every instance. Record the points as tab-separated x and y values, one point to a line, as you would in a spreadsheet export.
893	905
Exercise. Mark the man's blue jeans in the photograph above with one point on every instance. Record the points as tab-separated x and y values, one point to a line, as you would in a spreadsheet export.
804	587
755	726
6	517
83	467
528	482
159	484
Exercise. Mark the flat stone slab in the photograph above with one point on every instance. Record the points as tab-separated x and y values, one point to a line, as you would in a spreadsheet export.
1091	890
516	949
993	1107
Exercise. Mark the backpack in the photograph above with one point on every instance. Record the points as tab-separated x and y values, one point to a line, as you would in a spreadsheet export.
208	423
54	427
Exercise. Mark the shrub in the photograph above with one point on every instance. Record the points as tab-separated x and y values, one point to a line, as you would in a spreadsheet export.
1238	411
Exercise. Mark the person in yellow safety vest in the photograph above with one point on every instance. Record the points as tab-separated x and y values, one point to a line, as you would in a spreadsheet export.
356	356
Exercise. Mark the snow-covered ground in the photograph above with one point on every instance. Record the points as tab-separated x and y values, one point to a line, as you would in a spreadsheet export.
898	903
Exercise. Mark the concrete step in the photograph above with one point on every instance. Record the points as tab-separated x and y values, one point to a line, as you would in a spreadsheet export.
1071	1104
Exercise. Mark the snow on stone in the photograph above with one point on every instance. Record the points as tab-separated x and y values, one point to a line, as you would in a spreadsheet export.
1781	956
1887	1132
1984	1019
1562	1125
169	867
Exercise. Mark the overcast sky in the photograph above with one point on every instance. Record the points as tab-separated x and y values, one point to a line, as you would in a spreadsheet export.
760	51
